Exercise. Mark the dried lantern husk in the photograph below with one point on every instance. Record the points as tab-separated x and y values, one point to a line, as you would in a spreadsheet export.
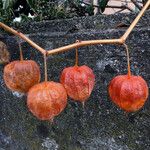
129	93
21	75
47	100
78	81
4	54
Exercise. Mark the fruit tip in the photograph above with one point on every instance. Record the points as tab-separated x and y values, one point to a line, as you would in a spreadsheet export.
51	121
83	105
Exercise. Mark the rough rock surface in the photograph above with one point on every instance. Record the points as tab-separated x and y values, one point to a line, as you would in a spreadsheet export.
101	125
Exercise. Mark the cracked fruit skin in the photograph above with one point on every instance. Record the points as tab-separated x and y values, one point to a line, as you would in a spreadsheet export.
78	81
128	92
21	75
47	100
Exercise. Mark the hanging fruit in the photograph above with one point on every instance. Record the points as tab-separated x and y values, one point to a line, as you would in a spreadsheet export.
78	81
129	92
21	75
47	99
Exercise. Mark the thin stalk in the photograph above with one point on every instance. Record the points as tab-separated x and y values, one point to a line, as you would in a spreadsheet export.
21	35
20	49
121	40
45	66
136	20
84	43
52	121
128	59
77	59
83	105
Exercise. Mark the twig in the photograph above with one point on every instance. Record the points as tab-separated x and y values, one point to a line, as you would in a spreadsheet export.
133	24
20	49
84	43
81	43
76	60
22	36
128	59
45	66
119	11
136	4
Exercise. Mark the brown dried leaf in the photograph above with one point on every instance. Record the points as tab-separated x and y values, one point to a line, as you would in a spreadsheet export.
4	54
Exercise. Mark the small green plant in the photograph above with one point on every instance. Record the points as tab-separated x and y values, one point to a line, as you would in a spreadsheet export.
46	9
6	11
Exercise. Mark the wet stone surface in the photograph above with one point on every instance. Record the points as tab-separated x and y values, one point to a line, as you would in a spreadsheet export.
101	125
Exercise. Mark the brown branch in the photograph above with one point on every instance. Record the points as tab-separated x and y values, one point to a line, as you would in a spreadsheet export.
136	4
21	35
133	24
119	11
84	43
108	41
81	43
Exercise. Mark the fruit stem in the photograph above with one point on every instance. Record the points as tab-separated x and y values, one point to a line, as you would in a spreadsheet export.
52	121
83	105
45	66
77	59
20	49
128	59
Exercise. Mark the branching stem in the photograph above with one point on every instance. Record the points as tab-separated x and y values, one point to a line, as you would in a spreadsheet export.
81	43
